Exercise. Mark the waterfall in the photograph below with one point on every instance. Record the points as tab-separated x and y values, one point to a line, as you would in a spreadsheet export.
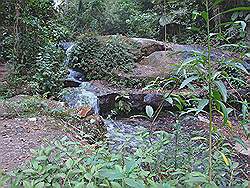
80	97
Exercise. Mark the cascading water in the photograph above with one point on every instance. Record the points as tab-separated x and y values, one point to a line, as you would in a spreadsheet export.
79	97
75	77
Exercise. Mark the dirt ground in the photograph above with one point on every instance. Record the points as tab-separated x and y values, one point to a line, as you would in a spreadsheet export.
19	135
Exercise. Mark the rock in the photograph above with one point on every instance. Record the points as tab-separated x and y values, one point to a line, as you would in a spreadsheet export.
148	46
92	128
155	59
79	98
157	64
123	131
103	96
85	111
74	78
155	99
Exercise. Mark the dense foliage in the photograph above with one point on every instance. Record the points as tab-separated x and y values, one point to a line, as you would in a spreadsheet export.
32	30
164	162
103	58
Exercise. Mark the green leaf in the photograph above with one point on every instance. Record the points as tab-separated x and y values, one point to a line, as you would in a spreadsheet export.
195	14
196	178
69	163
232	10
184	64
27	184
166	185
204	15
42	158
80	185
87	176
222	89
57	185
226	112
240	141
217	2
29	171
134	183
149	111
164	20
244	109
111	174
40	185
201	105
237	9
115	185
198	138
188	80
90	185
130	165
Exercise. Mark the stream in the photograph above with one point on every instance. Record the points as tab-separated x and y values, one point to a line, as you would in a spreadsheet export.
85	94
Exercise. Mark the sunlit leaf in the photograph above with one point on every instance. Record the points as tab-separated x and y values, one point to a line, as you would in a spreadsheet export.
225	158
242	23
204	15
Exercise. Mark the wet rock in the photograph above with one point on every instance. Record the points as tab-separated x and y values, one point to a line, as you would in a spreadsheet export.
92	128
74	78
78	98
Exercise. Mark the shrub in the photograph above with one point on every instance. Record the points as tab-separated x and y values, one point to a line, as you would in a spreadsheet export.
35	30
103	58
50	71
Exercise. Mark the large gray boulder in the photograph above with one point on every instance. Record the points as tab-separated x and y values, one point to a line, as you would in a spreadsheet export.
148	46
